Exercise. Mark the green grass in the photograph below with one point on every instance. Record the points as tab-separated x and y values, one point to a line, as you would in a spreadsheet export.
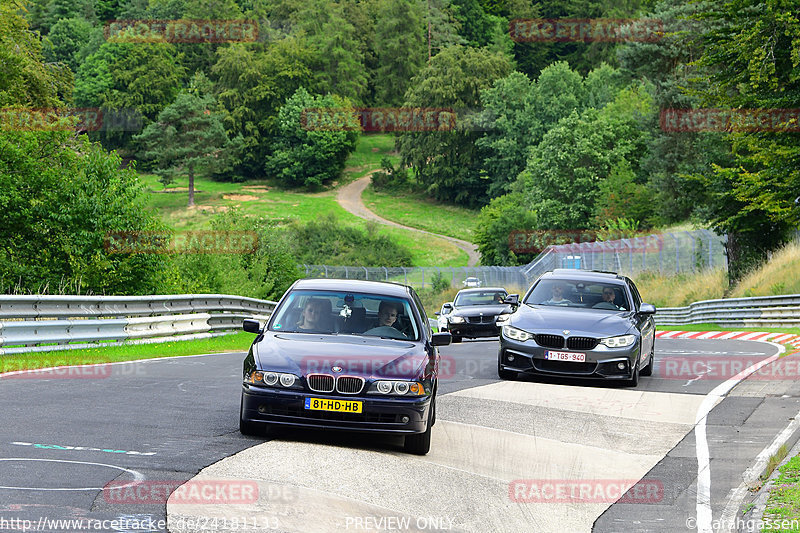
784	499
370	150
262	199
417	211
237	342
715	327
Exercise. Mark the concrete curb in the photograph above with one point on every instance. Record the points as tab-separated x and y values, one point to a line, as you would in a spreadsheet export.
752	519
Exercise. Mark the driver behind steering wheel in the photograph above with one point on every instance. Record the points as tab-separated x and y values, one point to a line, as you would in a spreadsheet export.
387	314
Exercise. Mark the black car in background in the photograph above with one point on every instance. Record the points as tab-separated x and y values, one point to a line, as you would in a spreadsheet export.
582	324
346	355
474	313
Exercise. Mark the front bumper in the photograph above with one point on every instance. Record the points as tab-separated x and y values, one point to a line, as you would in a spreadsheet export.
380	414
602	363
469	330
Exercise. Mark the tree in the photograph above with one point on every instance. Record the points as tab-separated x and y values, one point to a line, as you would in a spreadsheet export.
447	163
26	80
497	222
519	112
310	156
399	49
251	86
672	157
59	201
189	136
563	175
71	41
338	63
752	58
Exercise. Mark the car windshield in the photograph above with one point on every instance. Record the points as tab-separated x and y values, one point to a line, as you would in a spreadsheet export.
579	294
487	297
334	312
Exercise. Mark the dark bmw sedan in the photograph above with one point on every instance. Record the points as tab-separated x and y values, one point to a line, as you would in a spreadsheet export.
474	313
345	355
579	323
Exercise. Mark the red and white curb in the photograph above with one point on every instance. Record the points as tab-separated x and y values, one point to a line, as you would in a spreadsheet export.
780	338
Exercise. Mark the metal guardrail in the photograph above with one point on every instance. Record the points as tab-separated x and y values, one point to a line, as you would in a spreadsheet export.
682	251
755	312
47	323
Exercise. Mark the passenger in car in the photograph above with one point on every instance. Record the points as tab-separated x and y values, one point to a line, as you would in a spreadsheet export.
316	315
558	296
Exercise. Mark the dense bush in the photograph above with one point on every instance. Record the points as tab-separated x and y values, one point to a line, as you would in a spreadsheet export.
59	200
264	272
328	241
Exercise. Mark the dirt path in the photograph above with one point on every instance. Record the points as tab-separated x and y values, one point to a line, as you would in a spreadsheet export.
349	197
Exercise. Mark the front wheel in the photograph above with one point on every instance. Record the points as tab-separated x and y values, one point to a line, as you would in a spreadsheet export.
505	374
648	370
634	381
420	443
252	429
456	338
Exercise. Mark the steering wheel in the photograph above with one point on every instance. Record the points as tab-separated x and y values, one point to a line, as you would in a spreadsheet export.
386	331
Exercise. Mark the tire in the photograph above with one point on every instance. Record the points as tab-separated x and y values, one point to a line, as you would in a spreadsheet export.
456	338
634	381
251	429
505	374
648	370
420	443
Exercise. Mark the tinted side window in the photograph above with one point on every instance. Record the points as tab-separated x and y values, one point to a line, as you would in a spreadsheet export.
637	300
421	309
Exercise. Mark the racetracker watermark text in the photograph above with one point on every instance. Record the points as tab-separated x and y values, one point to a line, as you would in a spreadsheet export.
79	119
378	119
742	120
189	242
535	241
181	31
233	492
586	491
585	30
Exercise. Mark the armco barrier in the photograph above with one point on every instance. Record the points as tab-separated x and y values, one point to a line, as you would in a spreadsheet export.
45	323
756	312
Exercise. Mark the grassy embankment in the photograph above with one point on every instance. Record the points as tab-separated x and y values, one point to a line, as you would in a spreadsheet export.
264	199
783	507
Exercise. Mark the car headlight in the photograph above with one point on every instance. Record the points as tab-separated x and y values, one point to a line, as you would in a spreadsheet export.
456	319
618	342
398	388
516	334
503	318
270	379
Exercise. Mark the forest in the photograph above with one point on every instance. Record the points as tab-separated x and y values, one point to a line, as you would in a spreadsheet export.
568	115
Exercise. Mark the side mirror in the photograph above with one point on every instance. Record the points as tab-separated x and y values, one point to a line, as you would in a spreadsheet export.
647	309
512	299
447	307
441	339
251	326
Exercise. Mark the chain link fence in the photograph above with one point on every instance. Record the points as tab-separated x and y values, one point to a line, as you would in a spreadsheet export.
672	252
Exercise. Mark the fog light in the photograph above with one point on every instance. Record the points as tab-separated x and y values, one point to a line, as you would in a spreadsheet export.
621	366
404	419
510	357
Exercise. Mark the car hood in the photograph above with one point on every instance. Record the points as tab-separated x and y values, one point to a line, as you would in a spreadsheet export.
368	357
476	310
579	322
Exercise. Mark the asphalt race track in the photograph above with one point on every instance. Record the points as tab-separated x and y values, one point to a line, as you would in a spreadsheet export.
528	455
